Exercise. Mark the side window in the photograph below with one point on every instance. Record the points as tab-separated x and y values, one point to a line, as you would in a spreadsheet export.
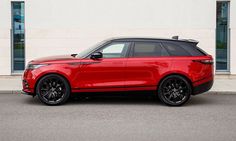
192	49
176	50
115	50
142	49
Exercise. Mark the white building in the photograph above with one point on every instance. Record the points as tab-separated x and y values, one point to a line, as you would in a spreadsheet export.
35	28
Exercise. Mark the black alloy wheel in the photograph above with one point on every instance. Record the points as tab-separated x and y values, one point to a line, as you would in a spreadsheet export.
174	90
53	89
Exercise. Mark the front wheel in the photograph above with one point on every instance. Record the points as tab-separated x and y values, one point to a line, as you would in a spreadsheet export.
53	89
174	90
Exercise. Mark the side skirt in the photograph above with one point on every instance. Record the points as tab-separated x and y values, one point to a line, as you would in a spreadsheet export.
116	89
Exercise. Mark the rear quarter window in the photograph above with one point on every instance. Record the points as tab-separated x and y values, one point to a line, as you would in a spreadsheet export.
176	50
193	49
183	49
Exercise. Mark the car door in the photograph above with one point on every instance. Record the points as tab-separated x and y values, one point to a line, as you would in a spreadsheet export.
147	62
105	72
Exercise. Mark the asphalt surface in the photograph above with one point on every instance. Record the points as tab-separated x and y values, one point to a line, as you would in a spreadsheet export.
209	117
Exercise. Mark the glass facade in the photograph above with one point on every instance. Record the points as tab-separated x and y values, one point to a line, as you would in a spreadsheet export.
222	32
18	36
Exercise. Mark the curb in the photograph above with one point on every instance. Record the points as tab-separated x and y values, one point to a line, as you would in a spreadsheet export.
10	91
210	92
222	92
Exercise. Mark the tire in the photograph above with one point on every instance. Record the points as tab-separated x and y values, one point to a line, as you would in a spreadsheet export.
53	89
174	90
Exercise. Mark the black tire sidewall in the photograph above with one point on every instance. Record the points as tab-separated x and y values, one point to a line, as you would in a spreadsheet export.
163	99
67	87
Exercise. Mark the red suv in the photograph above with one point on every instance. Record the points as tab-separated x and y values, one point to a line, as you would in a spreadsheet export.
175	69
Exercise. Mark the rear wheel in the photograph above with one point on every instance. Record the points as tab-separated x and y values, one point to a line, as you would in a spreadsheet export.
53	89
174	90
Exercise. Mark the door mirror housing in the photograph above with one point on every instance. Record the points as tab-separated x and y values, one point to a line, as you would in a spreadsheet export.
96	55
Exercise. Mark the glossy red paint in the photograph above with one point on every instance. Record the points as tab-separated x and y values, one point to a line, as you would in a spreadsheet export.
118	74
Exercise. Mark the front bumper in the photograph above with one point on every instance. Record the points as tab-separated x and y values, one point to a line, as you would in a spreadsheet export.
27	93
28	82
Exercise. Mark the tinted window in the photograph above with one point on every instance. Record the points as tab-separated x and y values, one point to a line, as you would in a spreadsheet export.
192	49
115	50
142	49
176	50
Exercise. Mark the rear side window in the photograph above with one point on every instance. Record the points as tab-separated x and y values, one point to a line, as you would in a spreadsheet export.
176	50
145	49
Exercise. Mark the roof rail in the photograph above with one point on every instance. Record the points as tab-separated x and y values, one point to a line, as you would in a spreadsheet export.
190	40
175	37
186	40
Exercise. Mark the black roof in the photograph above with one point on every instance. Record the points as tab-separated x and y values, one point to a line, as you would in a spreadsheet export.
152	39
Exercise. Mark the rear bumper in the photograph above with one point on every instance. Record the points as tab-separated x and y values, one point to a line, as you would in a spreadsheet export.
202	87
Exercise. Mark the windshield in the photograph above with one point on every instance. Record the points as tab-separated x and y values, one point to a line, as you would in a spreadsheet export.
85	52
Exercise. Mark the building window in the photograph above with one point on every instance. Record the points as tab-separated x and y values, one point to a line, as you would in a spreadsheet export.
222	36
18	36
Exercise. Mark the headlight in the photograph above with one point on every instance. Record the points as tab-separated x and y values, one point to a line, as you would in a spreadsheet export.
35	66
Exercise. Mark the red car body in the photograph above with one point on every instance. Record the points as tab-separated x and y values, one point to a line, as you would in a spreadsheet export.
126	74
121	74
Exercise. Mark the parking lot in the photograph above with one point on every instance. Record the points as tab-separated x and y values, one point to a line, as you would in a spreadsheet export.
210	117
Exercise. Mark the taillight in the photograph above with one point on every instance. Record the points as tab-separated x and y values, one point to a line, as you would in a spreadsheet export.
205	61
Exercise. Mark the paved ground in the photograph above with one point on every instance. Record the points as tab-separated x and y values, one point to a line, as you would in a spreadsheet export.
209	117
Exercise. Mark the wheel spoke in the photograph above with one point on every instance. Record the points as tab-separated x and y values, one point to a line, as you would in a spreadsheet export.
46	94
170	96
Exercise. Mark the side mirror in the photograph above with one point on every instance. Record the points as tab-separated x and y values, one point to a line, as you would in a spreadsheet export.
96	55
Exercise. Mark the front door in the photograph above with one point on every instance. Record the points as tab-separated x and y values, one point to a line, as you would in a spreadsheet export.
106	72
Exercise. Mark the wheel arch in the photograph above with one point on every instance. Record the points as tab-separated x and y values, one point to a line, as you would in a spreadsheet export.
176	73
40	77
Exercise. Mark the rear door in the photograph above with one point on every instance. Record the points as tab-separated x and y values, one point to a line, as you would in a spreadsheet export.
147	62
